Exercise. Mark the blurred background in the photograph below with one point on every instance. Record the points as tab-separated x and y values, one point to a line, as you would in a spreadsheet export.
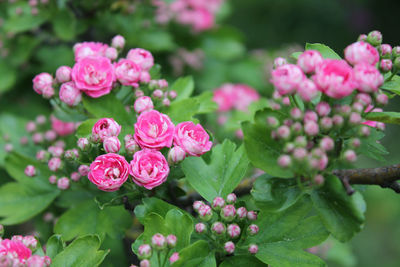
240	49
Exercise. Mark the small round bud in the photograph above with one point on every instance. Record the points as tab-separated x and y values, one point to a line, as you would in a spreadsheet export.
241	213
145	263
286	101
386	65
364	99
345	110
284	161
355	118
218	203
174	257
162	83
319	179
283	132
299	153
300	141
8	147
396	51
132	147
231	198
48	92
381	126
30	127
309	60
218	228
158	242
354	142
386	50
279	61
42	155
53	179
337	120
252	215
374	38
30	171
310	116
200	227
197	204
272	122
56	151
83	170
172	94
327	143
50	135
382	99
326	123
71	154
171	241
166	102
144	251
75	176
253	229
139	93
323	109
41	119
350	155
228	213
362	37
83	144
296	113
229	247
112	144
253	248
38	138
358	107
54	164
365	131
157	94
111	53
143	103
118	42
176	155
205	213
289	147
63	183
63	74
307	90
311	128
233	230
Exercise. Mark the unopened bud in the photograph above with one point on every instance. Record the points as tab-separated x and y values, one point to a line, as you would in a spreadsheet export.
229	247
279	61
174	257
176	155
63	183
241	213
319	179
218	203
83	144
200	227
144	251
284	161
252	215
253	248
30	171
382	99
205	213
231	198
374	38
350	155
233	230
228	213
158	242
171	241
112	144
218	228
197	204
253	229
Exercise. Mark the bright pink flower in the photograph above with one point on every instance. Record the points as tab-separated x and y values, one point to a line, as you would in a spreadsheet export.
202	20
154	130
15	250
149	168
104	128
127	72
287	78
143	103
192	138
368	77
225	97
111	144
109	171
69	94
62	128
38	261
94	76
141	57
245	95
335	78
309	60
63	74
89	49
41	82
361	52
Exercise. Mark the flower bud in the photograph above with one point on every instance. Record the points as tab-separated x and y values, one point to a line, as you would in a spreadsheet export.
279	61
118	42
386	50
218	228
30	126
364	99
253	248
252	215
218	203
37	138
60	143
323	109
311	128
381	126
386	65
355	118
30	171
172	94
145	263
42	155
289	147
272	122
319	179
362	37
229	247
48	92
284	161
50	135
144	251
158	242
231	198
143	103
299	153
157	94
233	230
111	53
171	241
307	90
382	99
228	213
56	151
283	132
396	51
176	155
310	116
354	142
350	155
112	144
309	60
63	74
139	93
197	204
200	227
296	113
75	176
374	38
365	131
8	147
174	257
83	144
205	213
70	94
337	120
241	213
54	164
326	143
131	147
253	229
286	101
41	119
358	107
166	102
326	123
63	183
71	154
53	179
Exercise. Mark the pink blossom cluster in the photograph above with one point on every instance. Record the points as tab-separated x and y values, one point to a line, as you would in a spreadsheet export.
228	224
234	96
199	15
18	251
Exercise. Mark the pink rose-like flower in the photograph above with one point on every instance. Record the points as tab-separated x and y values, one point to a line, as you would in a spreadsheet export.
225	97
69	94
112	144
154	130
143	103
245	95
41	82
63	74
104	128
94	76
149	168
286	78
309	60
368	77
109	171
127	72
361	52
62	128
38	261
89	49
335	78
141	57
16	250
192	138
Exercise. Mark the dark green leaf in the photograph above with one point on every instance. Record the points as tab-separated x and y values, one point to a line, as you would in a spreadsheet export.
17	24
152	205
8	76
393	85
198	254
242	261
54	245
64	25
386	117
85	128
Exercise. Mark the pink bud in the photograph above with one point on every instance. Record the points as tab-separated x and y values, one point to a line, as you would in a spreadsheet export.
253	248
50	135
272	122
231	198
139	93
311	128
75	176
228	213
197	204
53	179
54	164
69	94
158	242
131	147
63	183
176	155
386	50
286	101
284	161
145	77
253	229
299	153
157	93
48	217
83	170
41	155
166	102
200	227
233	230
118	42
144	251
71	154
33	3
296	113
355	118
174	257
297	127
172	94
326	123
283	132
337	120
171	241
350	155
30	127
252	215
63	74
365	131
289	147
279	61
381	126
229	247
382	99
310	116
30	171
241	213
37	138
83	143
362	37
323	109
355	142
309	60
326	143
111	53
112	144
162	84
145	263
56	151
307	90
386	65
205	212
358	107
218	203
41	119
143	103
364	98
218	228
8	147
48	92
375	38
60	143
319	179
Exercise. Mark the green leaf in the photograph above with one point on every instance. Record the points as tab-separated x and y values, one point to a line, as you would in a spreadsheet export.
223	45
152	205
184	87
275	193
393	85
83	251
17	24
62	112
87	218
64	25
262	150
54	245
386	117
22	49
206	103
183	110
156	40
242	261
342	215
220	177
296	55
371	147
198	254
8	76
85	128
51	57
325	51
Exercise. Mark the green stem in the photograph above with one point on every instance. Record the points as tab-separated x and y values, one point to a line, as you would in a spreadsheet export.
166	257
391	76
159	258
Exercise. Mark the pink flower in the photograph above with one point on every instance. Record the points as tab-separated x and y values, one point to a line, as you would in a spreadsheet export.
109	171
225	97
154	130
174	257
38	261
127	72
368	77
141	57
307	90
149	168
143	103
30	171
309	60
245	95
62	128
286	78
63	74
15	249
94	76
202	20
192	138
335	78
104	128
63	183
112	144
89	49
69	94
361	52
41	82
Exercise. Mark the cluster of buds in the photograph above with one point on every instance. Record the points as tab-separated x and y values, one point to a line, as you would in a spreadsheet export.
226	223
183	57
312	135
34	7
160	244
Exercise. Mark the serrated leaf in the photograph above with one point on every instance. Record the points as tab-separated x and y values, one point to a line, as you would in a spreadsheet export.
325	51
197	254
393	85
85	128
183	110
184	87
54	245
222	175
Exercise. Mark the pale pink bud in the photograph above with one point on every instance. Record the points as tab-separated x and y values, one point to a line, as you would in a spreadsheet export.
34	11
171	241
361	52
218	203
174	257
50	135
229	247
197	204
272	122
30	127
41	119
33	3
231	198
365	131
309	60
296	113
241	213
60	143
200	227
56	151
172	94
75	176
253	249
54	164
8	147
233	230
289	147
83	170
83	143
381	126
53	179
355	142
299	153
307	90
112	144
144	251
286	101
326	123
319	179
350	155
218	228
162	84
145	77
252	215
375	38
158	242
145	263
132	147
30	171
358	107
310	116
111	53
311	128
166	102
63	183
143	103
382	99
283	132
327	143
176	155
118	42
355	118
157	94
253	229
288	122
71	154
279	61
69	94
386	65
128	138
362	37
386	50
337	120
297	127
48	92
41	81
396	51
63	74
363	98
323	109
139	93
205	212
48	217
228	213
284	161
286	78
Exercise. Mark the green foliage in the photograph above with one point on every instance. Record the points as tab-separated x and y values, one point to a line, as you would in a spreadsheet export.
152	205
8	76
64	25
54	246
386	117
197	254
242	261
325	51
371	146
392	85
221	175
184	87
